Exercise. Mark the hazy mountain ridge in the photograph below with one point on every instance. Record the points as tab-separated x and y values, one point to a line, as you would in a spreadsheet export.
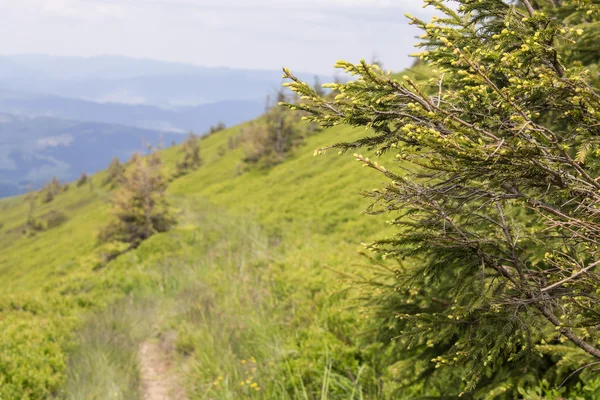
65	115
197	118
135	81
33	150
107	67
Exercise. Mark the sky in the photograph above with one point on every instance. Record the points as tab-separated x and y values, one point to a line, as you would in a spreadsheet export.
305	35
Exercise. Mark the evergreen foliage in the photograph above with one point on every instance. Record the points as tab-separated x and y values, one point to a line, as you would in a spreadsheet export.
269	142
55	218
191	155
33	224
233	142
48	196
495	195
51	189
577	15
140	207
83	179
217	128
115	172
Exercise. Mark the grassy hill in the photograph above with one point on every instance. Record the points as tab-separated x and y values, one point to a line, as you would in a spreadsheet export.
251	281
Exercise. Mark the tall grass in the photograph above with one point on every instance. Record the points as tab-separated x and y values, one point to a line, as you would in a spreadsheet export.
238	338
104	365
222	290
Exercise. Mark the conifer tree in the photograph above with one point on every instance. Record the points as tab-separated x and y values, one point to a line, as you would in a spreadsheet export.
140	206
31	200
51	189
191	155
270	140
83	179
217	128
115	172
495	195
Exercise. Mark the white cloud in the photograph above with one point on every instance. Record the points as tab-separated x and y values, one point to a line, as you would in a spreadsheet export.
75	9
307	35
47	171
123	97
54	141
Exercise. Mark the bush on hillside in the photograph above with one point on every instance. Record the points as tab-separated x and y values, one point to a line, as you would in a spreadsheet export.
55	218
50	190
233	142
140	207
271	139
33	226
83	179
220	126
115	172
495	198
48	196
191	155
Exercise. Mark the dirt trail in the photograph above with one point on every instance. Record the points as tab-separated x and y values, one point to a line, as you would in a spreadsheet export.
159	377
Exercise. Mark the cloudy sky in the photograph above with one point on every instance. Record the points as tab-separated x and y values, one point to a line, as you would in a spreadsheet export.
306	35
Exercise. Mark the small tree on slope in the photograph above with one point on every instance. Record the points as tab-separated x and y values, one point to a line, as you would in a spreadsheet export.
192	159
115	172
270	140
140	206
497	192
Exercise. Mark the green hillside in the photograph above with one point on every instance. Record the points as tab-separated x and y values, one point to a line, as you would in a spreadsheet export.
240	265
259	245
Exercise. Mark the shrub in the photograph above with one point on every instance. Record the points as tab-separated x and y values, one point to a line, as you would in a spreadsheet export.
217	128
140	207
233	142
34	225
48	196
268	141
50	190
115	172
83	179
191	155
55	219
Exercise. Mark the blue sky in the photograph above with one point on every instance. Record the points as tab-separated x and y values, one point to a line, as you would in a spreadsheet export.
307	35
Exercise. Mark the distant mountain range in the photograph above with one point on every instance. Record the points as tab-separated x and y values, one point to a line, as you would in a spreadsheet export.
61	116
115	79
182	119
33	150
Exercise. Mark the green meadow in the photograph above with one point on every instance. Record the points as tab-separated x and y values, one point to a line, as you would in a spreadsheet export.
252	283
455	256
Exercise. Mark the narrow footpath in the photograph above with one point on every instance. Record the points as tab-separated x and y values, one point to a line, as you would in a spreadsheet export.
158	373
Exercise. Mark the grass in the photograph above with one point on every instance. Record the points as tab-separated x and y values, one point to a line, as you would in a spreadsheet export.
313	349
247	275
104	364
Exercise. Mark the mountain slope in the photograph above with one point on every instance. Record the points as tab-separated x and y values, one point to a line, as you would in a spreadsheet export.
308	205
265	194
